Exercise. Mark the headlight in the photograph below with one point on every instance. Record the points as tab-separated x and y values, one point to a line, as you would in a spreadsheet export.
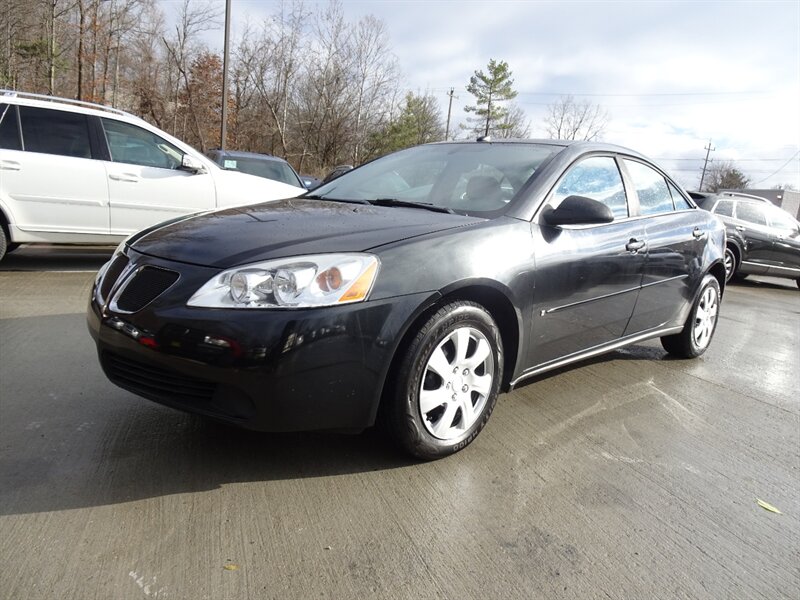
301	282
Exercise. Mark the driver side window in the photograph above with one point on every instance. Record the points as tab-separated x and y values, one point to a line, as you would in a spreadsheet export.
597	178
136	146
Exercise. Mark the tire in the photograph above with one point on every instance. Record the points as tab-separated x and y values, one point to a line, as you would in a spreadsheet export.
700	324
447	382
3	241
731	264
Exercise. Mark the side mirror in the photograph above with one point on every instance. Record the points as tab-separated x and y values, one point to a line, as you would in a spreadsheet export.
191	164
578	210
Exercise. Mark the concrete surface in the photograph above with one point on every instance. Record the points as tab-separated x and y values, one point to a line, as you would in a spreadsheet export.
630	476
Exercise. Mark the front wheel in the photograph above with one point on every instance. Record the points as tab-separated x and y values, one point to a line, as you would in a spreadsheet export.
448	381
700	325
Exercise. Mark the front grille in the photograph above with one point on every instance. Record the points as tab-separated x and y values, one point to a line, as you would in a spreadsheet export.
155	382
145	286
112	274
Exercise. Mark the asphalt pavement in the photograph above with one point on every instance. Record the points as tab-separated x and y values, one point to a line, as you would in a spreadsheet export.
629	476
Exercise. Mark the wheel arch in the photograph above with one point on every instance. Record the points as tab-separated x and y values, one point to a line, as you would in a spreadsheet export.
5	223
489	294
718	271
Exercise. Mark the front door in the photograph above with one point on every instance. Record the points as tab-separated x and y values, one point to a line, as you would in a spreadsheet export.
145	182
587	277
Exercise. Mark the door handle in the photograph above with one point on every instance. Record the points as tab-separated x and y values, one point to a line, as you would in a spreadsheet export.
10	165
698	233
740	228
634	245
129	177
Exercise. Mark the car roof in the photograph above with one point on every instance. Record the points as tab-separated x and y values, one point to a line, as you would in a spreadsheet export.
67	105
574	146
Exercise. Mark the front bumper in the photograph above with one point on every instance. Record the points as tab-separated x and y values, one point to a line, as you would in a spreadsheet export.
270	370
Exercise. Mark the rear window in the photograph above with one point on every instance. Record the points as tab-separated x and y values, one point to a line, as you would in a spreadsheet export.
752	213
55	132
9	128
651	187
724	208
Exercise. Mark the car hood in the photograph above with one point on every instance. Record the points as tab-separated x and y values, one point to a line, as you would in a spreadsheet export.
294	227
236	189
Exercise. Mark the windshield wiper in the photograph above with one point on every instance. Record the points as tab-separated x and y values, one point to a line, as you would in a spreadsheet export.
407	204
347	200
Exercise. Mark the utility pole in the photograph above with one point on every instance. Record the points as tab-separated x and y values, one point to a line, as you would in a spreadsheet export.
708	150
223	133
449	109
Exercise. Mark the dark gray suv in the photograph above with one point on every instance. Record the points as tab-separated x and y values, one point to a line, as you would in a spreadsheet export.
260	165
762	239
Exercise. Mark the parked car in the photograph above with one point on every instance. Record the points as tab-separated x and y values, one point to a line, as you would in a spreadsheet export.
310	181
418	303
336	172
762	239
77	172
260	165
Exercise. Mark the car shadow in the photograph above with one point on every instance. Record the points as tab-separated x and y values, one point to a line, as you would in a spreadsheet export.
56	258
628	353
764	282
151	451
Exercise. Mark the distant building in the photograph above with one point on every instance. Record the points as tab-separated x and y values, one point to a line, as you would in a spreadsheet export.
788	200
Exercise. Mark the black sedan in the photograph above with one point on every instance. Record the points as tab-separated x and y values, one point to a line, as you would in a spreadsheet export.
762	238
411	290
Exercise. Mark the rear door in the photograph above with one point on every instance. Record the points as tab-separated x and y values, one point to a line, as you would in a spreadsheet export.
145	182
750	220
785	239
587	277
51	181
675	243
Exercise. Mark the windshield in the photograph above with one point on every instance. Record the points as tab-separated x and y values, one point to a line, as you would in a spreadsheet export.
269	169
469	178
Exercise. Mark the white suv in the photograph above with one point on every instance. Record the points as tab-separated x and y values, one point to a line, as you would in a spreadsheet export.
75	172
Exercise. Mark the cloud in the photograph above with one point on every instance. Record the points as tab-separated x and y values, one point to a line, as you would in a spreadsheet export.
671	74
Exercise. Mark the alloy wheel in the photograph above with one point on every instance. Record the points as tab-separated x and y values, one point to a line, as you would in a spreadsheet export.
456	383
705	317
730	263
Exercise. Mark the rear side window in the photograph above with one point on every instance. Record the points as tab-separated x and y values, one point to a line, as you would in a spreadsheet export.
651	187
9	128
724	208
678	199
597	178
752	213
55	132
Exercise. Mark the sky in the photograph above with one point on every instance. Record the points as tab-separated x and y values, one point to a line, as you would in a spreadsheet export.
673	76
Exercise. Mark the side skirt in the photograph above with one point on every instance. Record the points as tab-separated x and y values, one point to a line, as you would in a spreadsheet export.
595	351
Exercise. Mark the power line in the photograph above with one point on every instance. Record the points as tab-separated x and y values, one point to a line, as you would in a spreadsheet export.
639	95
733	159
779	170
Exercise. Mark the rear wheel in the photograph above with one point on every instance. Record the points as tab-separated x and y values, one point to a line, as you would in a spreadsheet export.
448	382
3	242
700	325
730	263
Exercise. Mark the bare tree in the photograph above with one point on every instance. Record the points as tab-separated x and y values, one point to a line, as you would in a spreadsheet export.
268	64
569	119
514	124
724	175
193	19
